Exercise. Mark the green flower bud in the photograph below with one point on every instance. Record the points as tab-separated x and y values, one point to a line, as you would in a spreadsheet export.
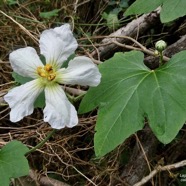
160	45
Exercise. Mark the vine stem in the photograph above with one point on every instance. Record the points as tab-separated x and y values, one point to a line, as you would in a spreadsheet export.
39	145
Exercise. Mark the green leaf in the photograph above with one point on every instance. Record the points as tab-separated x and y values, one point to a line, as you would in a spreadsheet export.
40	101
129	91
142	6
49	14
172	10
11	2
42	58
65	64
20	79
112	18
13	163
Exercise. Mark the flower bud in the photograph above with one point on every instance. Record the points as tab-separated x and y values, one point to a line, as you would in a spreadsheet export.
160	45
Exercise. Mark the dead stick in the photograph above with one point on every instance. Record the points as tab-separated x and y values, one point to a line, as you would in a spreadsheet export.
160	168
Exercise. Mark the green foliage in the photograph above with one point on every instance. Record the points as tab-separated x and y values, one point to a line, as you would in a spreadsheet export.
112	19
111	14
40	101
11	2
141	6
170	11
20	79
65	64
13	163
120	3
50	14
129	92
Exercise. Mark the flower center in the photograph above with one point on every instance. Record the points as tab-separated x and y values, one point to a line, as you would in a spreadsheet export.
46	72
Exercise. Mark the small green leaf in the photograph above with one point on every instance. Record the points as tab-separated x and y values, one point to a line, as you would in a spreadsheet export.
42	58
112	2
124	4
20	79
11	2
112	19
13	163
65	64
50	14
40	101
129	91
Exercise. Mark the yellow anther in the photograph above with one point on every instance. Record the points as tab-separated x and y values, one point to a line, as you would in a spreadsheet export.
46	72
51	77
43	74
48	67
39	69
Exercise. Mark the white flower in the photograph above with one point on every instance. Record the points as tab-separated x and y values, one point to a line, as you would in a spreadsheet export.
56	45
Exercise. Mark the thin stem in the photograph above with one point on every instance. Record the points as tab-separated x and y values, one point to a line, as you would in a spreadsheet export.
39	145
161	58
143	49
77	98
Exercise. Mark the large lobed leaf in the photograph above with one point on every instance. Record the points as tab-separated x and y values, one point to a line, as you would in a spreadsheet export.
129	91
142	6
13	163
171	9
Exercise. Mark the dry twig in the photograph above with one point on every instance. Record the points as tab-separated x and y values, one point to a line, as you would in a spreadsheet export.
22	27
160	168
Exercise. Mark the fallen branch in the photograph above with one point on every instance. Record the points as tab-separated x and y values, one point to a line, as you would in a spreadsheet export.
45	181
143	49
160	168
132	29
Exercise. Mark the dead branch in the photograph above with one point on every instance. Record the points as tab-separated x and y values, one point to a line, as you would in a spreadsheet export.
45	181
159	169
132	29
143	49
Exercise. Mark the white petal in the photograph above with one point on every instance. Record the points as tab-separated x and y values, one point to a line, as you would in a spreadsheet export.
82	71
59	112
21	99
25	61
57	45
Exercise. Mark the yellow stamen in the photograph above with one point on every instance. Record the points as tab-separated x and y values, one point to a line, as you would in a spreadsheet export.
48	67
51	77
39	69
46	72
43	74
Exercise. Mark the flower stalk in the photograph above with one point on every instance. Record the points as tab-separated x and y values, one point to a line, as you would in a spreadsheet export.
160	47
39	145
